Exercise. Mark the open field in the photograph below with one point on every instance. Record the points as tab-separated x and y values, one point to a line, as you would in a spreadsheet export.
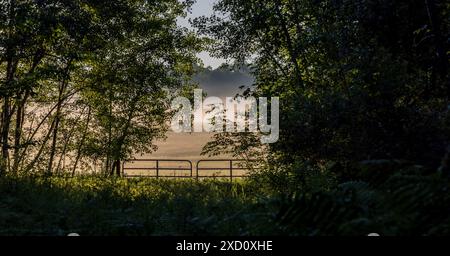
183	147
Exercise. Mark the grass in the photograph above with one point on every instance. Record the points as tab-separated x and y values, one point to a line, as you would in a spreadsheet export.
382	197
99	206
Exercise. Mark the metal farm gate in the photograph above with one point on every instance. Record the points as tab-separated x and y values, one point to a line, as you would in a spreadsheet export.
174	168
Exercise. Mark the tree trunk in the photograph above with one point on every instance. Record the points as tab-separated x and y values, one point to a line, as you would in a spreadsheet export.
116	168
38	155
118	147
5	134
22	98
80	146
293	54
29	140
62	157
20	118
17	135
7	114
62	89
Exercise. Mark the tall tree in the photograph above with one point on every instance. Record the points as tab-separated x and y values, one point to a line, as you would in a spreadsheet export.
356	79
59	57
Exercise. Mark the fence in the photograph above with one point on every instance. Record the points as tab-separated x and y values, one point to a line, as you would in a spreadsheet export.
159	168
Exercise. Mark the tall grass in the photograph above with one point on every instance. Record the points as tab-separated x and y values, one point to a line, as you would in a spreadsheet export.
92	205
385	197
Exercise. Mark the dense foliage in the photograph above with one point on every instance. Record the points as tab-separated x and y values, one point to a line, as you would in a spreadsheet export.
357	80
84	84
360	82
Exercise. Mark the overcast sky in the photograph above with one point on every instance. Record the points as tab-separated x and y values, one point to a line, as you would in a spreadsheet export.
200	8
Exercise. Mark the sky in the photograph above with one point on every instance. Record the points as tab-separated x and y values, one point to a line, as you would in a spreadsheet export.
202	8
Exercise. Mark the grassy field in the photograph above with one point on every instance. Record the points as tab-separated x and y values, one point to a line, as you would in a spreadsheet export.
99	206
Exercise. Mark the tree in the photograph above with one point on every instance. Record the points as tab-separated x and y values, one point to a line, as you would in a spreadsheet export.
58	58
356	79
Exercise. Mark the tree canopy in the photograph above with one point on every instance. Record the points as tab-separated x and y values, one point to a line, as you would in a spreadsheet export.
357	80
88	79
